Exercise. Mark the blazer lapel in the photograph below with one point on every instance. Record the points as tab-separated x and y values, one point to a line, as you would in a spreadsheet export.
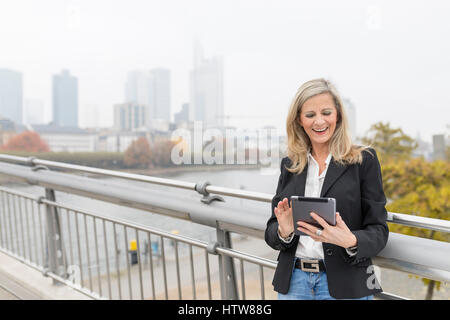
334	171
300	181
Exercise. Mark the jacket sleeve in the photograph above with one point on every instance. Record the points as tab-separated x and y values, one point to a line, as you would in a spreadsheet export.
374	233
271	233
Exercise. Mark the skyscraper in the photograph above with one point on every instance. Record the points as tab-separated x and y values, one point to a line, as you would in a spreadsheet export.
138	88
160	104
351	115
438	147
11	95
152	89
206	92
183	114
65	99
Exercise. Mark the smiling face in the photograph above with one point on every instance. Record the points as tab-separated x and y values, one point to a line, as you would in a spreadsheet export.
318	116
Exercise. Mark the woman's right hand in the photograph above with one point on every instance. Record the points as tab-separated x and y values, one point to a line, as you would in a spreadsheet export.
283	212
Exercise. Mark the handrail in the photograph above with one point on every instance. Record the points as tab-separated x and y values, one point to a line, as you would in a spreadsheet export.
398	218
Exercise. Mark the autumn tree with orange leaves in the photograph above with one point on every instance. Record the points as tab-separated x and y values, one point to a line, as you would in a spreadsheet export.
28	141
138	154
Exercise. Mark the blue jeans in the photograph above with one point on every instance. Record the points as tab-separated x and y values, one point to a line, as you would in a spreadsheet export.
310	286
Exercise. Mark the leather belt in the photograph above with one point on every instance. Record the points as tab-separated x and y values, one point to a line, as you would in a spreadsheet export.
310	265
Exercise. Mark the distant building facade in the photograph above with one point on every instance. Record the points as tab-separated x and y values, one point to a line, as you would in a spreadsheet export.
65	99
67	139
183	114
11	95
438	147
152	89
351	115
206	90
130	116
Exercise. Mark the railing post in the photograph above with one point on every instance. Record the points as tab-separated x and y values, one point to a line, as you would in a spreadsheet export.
55	256
227	273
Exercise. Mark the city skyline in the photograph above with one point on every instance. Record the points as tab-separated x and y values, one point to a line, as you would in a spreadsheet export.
390	64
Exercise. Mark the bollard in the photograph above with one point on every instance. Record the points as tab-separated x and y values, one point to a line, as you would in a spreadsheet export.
133	252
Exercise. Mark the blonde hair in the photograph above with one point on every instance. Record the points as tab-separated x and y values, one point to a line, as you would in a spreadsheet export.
341	146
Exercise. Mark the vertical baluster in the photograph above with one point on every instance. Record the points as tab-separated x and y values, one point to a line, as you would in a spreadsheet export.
163	257
42	236
10	214
13	198
107	259
19	228
60	227
76	215
27	226
3	223
55	238
139	264
208	274
177	263
152	275
242	279
128	262
261	281
117	260
97	256
87	253
72	261
33	221
191	258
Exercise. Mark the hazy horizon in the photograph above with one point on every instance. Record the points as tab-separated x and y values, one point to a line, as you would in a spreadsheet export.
390	59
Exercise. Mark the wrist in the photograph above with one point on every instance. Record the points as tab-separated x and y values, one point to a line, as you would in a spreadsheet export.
283	233
353	242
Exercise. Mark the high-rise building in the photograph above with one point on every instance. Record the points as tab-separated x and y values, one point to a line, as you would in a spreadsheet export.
438	147
151	89
11	95
351	115
183	114
160	104
65	99
130	116
206	92
138	88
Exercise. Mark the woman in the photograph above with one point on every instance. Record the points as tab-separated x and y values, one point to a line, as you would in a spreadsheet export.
333	262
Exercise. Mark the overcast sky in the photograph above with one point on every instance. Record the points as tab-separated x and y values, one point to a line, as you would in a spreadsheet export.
390	58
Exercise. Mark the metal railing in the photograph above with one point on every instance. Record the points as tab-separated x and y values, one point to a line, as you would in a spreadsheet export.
89	251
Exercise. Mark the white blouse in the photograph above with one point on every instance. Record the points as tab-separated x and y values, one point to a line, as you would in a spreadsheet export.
307	247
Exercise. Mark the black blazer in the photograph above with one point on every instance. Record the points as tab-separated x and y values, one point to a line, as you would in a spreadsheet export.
360	200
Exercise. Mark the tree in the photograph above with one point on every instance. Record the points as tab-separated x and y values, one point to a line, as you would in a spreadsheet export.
162	151
390	143
420	188
138	154
28	141
412	186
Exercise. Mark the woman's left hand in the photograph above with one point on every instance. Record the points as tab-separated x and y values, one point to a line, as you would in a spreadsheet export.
339	235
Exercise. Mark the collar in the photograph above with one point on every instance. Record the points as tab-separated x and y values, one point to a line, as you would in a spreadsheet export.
327	160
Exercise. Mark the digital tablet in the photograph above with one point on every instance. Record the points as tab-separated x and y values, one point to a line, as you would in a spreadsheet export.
303	206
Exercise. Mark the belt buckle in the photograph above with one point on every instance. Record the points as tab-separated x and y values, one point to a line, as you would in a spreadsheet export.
314	265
